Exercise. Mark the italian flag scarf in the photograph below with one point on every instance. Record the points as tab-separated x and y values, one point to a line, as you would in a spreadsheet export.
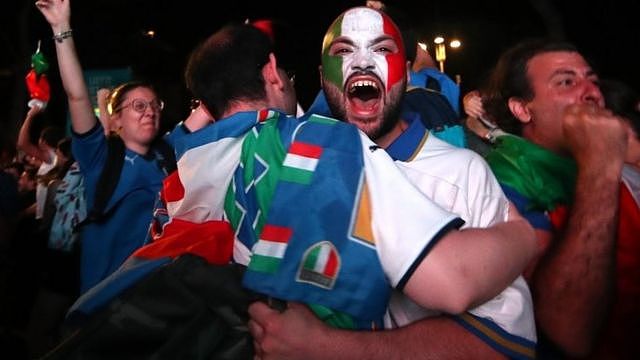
545	178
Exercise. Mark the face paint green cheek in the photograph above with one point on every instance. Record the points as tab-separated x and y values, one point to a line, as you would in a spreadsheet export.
332	69
332	65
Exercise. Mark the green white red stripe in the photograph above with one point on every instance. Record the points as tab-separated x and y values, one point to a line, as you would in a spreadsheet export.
300	163
270	248
322	259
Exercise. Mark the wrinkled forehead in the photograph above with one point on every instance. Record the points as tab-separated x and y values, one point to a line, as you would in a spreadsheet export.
361	23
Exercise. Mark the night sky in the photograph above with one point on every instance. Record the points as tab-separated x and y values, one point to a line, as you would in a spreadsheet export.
110	34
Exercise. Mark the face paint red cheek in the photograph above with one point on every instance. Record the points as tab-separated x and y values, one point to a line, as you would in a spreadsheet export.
397	69
395	61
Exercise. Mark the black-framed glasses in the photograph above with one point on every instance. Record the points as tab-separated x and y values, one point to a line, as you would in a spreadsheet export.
140	105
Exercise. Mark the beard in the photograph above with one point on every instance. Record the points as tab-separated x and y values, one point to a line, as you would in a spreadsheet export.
375	127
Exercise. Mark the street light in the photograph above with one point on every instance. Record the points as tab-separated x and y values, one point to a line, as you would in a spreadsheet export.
441	49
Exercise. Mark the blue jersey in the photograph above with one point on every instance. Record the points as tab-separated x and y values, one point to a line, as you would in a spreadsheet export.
108	242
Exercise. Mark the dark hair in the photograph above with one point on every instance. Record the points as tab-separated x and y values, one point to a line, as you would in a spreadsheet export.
64	145
509	79
408	30
32	173
622	100
227	66
118	94
60	170
51	135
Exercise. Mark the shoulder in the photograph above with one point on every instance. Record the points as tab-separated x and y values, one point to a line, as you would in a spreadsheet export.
456	156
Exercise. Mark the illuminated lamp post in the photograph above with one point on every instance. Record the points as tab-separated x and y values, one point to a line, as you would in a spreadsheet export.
441	49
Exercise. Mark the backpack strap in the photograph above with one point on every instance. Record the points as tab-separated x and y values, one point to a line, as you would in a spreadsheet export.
109	177
165	155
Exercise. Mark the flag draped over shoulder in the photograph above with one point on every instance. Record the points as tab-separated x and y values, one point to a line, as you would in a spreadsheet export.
306	201
306	249
546	179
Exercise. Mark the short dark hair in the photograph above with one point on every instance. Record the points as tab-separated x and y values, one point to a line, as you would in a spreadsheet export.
408	29
227	66
51	135
509	79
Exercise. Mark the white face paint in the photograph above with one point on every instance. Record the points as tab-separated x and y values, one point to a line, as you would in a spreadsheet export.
364	29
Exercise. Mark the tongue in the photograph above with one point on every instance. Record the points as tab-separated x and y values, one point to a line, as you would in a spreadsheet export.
364	104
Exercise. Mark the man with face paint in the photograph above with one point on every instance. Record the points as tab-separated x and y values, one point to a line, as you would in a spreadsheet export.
364	76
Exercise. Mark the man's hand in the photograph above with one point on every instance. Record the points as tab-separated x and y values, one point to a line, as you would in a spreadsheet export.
285	335
596	138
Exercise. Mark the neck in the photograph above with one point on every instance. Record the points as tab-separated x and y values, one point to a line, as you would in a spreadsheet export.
136	147
387	139
241	106
544	142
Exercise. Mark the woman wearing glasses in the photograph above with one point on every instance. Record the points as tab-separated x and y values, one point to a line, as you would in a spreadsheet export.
121	200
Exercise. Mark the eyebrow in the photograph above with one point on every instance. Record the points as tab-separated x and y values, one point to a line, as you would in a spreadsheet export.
382	38
590	73
347	40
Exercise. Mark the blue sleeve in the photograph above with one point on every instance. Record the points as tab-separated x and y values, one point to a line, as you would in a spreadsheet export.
178	132
90	150
537	219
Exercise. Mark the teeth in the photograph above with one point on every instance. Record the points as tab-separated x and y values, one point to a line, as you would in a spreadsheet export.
360	83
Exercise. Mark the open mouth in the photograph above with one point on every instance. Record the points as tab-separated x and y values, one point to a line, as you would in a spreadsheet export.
364	95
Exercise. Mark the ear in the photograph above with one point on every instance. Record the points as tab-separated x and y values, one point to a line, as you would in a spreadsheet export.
519	109
271	74
116	121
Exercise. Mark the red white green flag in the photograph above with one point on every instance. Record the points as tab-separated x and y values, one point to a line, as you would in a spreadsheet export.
270	248
300	163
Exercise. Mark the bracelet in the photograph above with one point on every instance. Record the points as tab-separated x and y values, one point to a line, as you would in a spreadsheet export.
59	37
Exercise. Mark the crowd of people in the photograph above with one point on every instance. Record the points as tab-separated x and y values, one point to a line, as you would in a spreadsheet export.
392	219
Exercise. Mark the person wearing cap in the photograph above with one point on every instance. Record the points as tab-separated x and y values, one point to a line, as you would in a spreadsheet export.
364	75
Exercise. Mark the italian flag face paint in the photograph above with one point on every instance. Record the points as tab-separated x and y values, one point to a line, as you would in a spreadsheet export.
360	35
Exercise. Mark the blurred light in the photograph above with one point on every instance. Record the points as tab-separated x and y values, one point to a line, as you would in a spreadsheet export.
423	46
150	33
441	49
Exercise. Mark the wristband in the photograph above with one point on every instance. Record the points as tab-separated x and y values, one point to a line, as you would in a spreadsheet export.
59	37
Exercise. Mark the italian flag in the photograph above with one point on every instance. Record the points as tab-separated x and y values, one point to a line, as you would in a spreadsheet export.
356	24
270	248
300	162
322	259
